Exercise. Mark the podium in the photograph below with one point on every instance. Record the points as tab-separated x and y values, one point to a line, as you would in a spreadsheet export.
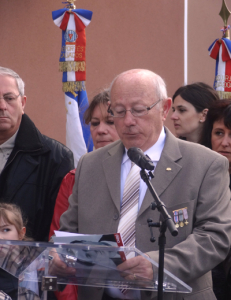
95	264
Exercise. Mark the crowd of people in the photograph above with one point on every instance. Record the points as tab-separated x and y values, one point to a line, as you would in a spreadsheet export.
105	194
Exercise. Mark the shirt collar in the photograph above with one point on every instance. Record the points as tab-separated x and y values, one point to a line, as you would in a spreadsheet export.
154	152
9	144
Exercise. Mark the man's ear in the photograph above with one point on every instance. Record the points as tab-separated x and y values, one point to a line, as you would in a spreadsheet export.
204	115
167	103
23	100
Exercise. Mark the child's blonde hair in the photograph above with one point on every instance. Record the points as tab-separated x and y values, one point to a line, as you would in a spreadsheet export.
15	218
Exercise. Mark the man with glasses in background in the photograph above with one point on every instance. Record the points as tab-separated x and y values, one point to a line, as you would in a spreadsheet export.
32	165
193	183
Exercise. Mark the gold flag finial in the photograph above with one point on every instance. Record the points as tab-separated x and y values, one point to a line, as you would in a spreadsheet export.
225	13
71	5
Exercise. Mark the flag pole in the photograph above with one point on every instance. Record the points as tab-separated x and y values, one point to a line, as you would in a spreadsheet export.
185	42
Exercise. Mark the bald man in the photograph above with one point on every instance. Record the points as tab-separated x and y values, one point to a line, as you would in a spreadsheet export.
187	177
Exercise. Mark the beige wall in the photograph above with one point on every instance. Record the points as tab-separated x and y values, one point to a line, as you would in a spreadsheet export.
123	34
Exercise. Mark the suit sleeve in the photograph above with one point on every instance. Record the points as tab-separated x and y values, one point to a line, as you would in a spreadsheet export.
209	242
69	219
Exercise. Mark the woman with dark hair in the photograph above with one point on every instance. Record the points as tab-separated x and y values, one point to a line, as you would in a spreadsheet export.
216	135
102	127
190	107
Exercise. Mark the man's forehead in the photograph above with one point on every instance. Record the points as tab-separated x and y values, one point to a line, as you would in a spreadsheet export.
135	93
131	94
7	77
8	81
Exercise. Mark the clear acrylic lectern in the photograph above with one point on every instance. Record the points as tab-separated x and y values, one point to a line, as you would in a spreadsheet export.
96	265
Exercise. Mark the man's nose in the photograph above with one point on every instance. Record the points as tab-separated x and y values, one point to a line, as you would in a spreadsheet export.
129	119
2	104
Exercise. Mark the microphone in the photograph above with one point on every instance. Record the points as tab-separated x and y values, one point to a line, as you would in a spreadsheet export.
137	156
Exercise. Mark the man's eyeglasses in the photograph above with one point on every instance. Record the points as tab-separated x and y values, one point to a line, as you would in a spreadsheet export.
136	111
10	97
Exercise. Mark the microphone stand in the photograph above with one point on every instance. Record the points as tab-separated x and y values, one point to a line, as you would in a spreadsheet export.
166	223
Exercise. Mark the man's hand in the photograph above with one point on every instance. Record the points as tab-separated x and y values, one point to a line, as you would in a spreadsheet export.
58	267
136	266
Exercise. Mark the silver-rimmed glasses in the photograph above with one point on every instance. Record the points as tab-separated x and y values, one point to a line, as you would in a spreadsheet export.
136	111
10	97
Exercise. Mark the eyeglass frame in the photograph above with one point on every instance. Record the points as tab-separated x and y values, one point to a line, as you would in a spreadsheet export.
16	97
131	110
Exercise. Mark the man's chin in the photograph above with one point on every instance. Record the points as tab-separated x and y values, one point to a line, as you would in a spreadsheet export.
7	128
131	145
4	127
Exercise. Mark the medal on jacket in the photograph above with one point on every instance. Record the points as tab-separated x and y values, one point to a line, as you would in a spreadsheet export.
181	217
185	213
176	218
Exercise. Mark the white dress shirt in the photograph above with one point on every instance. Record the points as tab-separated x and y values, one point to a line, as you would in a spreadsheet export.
154	153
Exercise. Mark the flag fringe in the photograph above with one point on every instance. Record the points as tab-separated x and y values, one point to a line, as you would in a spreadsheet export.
224	95
74	86
72	66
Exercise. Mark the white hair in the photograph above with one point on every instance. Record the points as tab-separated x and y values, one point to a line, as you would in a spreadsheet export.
11	73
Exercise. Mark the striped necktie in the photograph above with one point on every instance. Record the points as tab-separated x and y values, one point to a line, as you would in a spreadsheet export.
129	207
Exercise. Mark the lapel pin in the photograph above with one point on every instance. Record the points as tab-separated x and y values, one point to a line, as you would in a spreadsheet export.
168	169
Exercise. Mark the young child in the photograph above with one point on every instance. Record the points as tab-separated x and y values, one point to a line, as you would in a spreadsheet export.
12	227
11	223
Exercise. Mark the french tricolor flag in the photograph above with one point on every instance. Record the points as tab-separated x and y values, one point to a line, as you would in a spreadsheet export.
221	51
73	40
72	64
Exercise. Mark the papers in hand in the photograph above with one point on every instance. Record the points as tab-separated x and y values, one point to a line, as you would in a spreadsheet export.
115	240
63	237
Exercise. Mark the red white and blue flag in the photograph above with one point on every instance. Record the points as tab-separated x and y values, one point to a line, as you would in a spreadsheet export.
72	63
220	50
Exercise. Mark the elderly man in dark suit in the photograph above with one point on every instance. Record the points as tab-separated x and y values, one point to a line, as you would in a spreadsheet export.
192	181
32	165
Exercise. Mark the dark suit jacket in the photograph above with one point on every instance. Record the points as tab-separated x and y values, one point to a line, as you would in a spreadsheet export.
187	175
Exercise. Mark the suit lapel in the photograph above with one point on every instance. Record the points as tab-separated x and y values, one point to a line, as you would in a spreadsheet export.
112	170
166	170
